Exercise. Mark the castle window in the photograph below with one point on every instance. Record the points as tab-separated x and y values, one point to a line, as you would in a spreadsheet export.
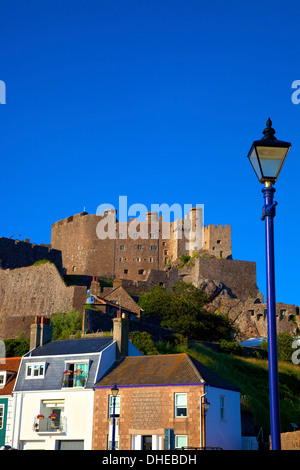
166	260
125	271
140	247
122	247
120	259
166	252
120	235
153	247
218	242
138	260
135	235
151	260
140	271
163	243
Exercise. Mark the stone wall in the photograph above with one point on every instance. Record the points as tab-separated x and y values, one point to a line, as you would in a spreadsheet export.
290	440
35	290
146	411
133	248
238	276
17	254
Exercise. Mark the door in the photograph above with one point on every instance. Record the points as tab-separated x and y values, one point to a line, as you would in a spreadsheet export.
146	442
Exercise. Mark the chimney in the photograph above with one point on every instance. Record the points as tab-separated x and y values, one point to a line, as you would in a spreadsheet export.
40	332
121	334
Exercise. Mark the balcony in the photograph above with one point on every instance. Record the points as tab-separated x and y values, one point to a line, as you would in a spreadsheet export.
74	378
49	425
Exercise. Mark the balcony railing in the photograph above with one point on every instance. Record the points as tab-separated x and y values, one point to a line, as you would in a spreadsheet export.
48	425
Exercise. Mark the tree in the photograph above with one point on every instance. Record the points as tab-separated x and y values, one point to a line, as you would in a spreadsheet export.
181	309
16	347
284	346
66	324
143	342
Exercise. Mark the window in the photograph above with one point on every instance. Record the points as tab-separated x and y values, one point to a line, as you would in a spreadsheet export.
75	374
1	416
153	247
141	271
151	260
180	441
117	406
35	370
180	405
120	235
140	247
122	247
138	260
120	259
125	271
222	407
2	379
109	442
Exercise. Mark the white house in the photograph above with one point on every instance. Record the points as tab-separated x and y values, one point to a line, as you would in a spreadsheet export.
54	397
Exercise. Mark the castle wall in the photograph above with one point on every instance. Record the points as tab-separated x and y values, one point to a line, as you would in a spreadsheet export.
137	248
35	290
217	240
17	254
238	276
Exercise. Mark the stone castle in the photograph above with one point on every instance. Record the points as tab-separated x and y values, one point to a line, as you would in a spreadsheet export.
139	255
153	244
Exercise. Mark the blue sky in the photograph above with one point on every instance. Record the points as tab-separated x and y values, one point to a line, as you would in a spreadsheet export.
156	100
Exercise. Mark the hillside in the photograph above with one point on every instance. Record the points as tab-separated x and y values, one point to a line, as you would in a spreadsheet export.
251	375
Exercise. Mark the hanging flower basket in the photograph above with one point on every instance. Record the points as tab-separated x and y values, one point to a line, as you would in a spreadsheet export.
78	372
67	372
40	416
52	416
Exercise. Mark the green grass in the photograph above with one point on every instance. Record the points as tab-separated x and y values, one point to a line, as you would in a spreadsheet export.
251	375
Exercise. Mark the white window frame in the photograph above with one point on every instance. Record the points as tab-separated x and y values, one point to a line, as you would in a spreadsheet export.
2	407
176	441
3	377
117	407
177	406
35	366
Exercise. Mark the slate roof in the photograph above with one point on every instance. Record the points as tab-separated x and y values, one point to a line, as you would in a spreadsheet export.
55	354
170	369
10	364
71	346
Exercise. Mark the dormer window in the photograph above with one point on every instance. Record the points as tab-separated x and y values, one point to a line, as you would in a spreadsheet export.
35	370
75	374
2	379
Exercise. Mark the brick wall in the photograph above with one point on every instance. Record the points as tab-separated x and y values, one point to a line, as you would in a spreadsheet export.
146	411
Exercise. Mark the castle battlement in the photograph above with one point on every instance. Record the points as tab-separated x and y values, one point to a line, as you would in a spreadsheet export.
136	247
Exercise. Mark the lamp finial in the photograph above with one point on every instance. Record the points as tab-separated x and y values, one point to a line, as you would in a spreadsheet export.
269	131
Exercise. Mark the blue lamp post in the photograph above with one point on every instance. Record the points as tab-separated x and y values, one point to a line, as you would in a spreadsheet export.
114	392
267	157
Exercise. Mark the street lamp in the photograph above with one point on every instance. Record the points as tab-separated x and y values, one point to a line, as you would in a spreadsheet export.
267	157
114	392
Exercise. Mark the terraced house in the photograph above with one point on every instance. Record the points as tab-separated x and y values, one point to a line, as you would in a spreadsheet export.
54	396
162	404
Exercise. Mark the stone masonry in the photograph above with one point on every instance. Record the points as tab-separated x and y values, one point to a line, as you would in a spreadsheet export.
35	290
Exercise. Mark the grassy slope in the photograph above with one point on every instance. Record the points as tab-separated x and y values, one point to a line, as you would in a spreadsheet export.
251	375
